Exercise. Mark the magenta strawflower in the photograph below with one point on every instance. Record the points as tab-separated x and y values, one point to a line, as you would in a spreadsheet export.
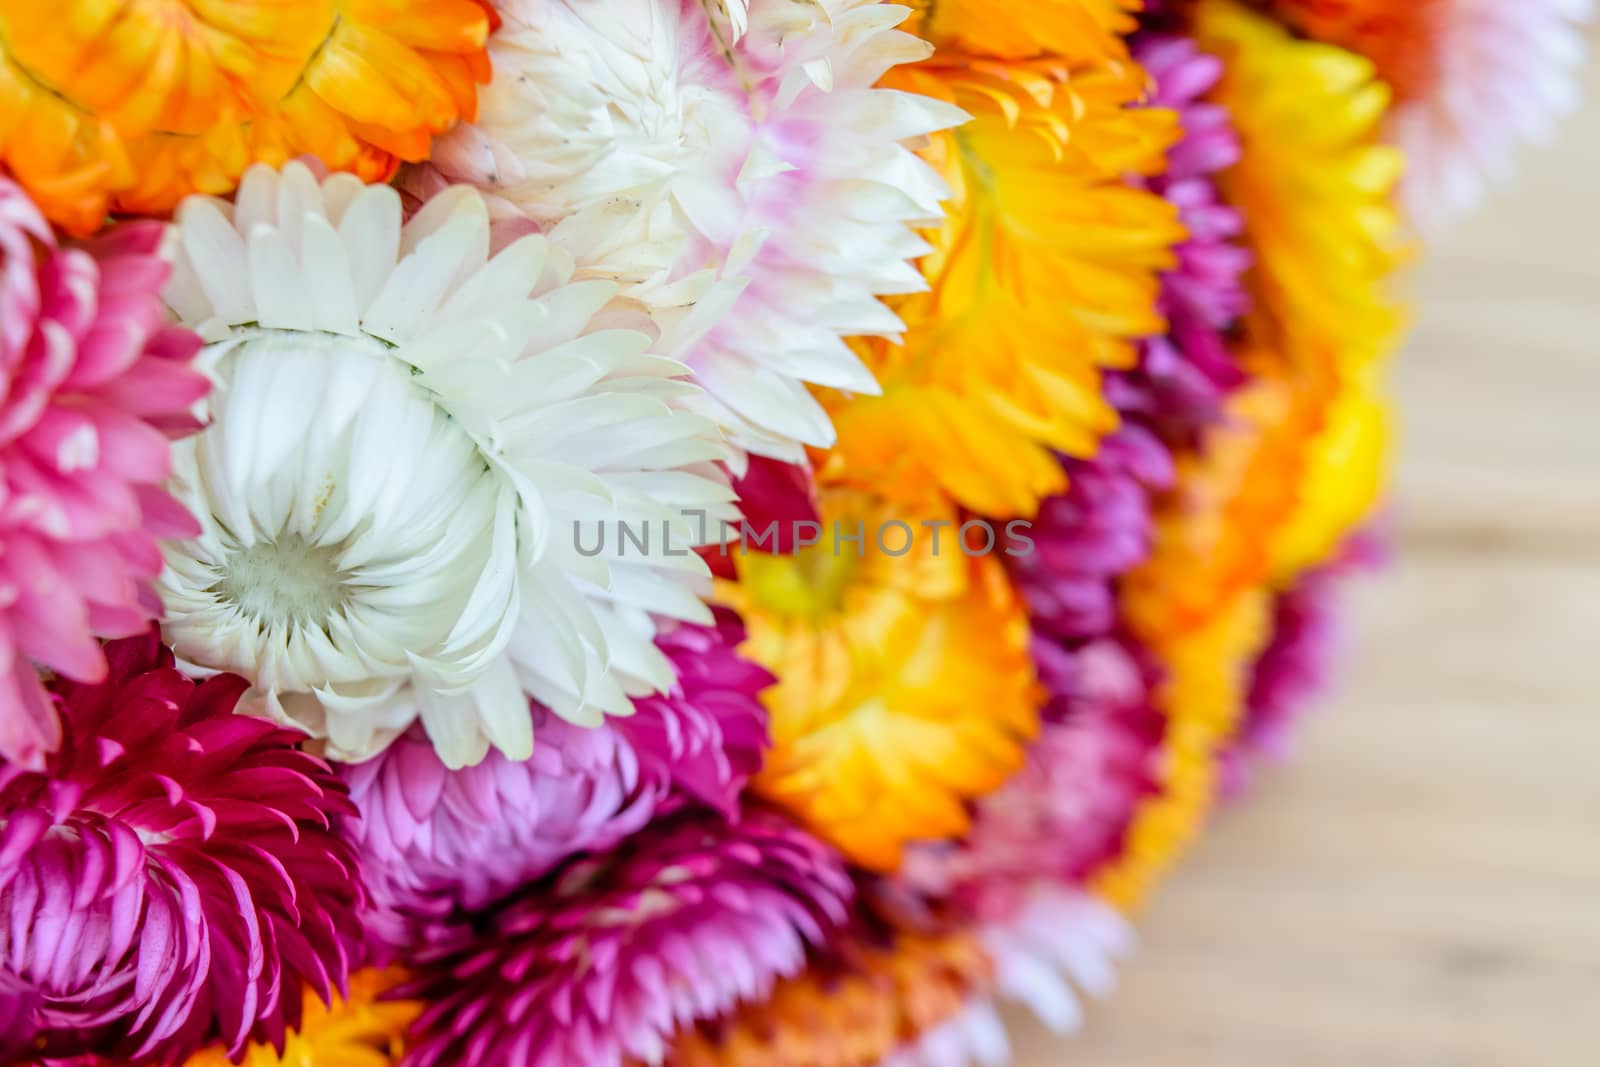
1067	811
704	738
1183	375
602	962
434	842
170	878
92	383
1086	538
776	499
782	493
1297	666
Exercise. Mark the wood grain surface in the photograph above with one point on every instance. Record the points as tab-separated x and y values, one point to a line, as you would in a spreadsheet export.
1421	887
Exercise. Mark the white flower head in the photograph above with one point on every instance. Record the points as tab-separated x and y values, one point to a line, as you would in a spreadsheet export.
1062	942
406	437
732	165
975	1036
1503	73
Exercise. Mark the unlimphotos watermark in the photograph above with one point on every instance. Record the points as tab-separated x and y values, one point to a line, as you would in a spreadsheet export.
621	539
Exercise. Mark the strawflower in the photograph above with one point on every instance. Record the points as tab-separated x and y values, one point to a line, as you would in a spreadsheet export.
415	453
1473	80
130	107
1043	276
1185	372
93	382
904	685
434	841
612	955
1314	185
171	876
1089	536
1297	666
733	167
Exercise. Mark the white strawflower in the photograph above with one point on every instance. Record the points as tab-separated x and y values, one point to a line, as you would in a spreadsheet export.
1061	944
406	435
729	162
1496	74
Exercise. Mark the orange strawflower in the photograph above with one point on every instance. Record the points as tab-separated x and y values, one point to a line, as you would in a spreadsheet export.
129	107
1043	275
850	1015
361	1030
904	685
1086	30
1203	696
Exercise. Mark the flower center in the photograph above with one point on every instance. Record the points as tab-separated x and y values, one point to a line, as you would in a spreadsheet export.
811	581
287	581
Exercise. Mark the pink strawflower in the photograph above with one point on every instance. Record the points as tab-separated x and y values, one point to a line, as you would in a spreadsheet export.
1067	811
170	877
435	842
705	737
92	383
1086	538
1297	666
604	961
1183	375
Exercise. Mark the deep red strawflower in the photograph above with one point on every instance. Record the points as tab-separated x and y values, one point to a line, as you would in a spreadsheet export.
776	499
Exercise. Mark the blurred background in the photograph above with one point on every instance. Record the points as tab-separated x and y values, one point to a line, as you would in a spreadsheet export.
1421	885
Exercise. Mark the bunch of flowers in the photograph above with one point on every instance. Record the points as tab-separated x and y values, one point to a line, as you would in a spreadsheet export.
696	532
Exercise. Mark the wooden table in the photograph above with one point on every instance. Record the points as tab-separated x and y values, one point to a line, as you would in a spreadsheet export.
1422	887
